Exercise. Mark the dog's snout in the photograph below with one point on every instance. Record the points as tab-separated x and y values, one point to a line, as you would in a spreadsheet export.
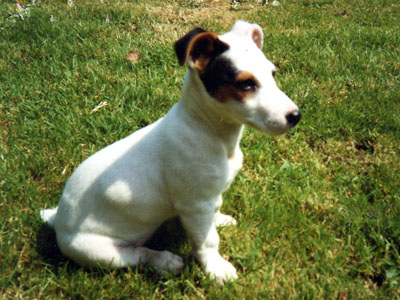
293	117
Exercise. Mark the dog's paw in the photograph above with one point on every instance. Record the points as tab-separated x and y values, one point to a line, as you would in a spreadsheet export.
221	270
222	220
168	262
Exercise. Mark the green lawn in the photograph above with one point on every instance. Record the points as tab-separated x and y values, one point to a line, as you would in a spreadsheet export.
318	209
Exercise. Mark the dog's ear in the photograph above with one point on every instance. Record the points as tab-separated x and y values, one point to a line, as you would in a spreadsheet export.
250	30
197	48
182	44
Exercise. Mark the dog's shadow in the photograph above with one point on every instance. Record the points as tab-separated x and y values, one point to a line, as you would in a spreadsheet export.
46	246
170	236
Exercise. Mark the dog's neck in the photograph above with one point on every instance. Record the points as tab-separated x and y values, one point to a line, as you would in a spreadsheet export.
195	105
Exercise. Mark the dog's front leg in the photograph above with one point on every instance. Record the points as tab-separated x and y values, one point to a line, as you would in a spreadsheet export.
199	224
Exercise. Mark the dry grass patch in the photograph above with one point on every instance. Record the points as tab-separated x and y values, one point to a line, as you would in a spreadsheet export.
171	21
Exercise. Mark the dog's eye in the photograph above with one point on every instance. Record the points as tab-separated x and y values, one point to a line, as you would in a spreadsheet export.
247	85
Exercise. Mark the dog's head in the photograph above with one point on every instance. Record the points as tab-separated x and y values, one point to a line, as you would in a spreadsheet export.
238	77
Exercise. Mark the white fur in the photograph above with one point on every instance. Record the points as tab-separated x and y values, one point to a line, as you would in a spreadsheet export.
179	165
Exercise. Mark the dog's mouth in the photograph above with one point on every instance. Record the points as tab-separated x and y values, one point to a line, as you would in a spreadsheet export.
270	128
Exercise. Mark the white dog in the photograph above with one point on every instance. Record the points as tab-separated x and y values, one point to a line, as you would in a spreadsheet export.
179	165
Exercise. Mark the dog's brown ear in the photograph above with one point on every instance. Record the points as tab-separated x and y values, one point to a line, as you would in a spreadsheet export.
197	48
182	44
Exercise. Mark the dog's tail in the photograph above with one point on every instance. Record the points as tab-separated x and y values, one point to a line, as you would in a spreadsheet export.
49	216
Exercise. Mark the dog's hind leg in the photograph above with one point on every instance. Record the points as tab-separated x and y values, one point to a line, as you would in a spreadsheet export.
96	250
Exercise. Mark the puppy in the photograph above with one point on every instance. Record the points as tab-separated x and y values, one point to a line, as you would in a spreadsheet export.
178	166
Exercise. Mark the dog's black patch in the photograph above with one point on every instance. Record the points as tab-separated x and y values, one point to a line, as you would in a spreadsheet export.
220	72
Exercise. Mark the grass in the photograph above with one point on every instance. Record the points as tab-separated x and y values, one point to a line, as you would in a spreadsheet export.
318	209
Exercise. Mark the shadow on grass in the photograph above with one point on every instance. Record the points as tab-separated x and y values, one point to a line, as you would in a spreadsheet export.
46	246
170	236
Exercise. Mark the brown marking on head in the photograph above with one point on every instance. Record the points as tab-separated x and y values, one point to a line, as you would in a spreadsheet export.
198	47
243	86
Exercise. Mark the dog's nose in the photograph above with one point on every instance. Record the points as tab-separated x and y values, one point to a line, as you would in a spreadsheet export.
293	117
